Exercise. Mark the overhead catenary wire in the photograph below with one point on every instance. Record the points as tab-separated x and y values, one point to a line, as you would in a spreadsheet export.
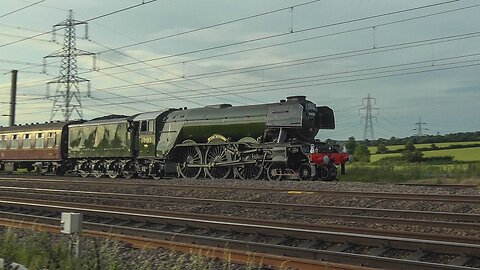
393	21
314	59
337	81
282	34
356	52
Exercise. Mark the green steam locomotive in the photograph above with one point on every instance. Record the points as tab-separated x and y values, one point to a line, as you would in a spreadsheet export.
267	141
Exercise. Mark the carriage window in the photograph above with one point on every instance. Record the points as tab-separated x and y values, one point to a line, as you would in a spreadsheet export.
26	141
143	126
39	141
50	139
3	142
151	126
14	143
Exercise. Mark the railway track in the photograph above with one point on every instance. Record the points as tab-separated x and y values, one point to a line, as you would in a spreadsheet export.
287	239
322	192
456	221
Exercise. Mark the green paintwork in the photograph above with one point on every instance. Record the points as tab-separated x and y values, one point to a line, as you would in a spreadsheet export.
201	123
100	140
146	145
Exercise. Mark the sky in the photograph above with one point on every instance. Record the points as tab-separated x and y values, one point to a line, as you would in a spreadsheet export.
418	59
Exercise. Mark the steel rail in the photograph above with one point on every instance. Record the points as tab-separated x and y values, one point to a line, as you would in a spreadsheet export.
309	226
227	254
379	214
302	252
321	192
261	227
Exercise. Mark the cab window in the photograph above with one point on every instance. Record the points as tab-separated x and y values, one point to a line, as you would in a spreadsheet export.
143	126
151	126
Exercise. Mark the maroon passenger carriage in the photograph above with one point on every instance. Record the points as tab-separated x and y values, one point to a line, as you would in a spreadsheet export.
41	146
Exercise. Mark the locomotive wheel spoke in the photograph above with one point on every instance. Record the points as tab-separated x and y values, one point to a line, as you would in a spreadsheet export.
249	171
214	155
190	156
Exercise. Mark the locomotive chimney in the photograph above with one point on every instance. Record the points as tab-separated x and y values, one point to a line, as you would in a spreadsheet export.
296	98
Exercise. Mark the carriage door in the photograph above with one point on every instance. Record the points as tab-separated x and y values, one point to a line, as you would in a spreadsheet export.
146	138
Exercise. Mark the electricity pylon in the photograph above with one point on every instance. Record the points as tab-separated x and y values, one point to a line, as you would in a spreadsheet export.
367	107
67	94
419	128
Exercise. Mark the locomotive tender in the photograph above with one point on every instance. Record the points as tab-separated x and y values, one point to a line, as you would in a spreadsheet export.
267	141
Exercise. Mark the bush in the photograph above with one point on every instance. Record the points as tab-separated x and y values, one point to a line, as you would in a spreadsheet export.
361	153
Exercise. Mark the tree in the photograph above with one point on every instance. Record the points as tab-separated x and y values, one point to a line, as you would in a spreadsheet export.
382	148
411	154
351	144
361	153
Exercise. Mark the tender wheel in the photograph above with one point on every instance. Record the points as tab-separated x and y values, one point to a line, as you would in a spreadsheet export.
98	169
190	156
305	172
274	173
214	155
113	169
85	169
128	169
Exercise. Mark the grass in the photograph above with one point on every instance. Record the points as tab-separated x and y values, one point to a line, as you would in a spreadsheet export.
462	154
373	149
40	251
363	172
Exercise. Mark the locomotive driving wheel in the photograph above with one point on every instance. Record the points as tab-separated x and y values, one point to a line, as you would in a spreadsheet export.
217	154
189	156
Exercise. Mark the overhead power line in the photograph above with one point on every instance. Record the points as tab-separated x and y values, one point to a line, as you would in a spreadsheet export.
278	35
88	20
319	82
22	8
315	59
212	26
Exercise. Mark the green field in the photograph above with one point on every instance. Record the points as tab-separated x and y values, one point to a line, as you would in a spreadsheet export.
373	149
462	154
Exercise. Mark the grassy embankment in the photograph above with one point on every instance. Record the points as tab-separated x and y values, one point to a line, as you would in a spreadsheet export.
39	251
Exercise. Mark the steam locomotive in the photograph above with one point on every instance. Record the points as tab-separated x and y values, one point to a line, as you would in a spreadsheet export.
268	141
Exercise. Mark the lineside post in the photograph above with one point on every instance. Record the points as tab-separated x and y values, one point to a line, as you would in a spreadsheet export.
13	98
